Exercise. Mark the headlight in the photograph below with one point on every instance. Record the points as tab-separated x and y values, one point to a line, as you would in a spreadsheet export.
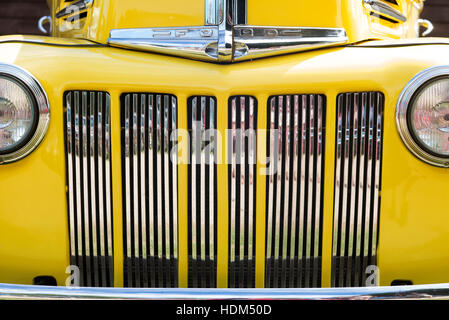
423	116
24	113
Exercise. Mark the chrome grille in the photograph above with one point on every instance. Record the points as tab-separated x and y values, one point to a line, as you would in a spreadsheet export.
242	193
88	143
294	191
202	193
150	190
357	186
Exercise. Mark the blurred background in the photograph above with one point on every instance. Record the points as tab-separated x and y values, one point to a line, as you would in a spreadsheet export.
21	16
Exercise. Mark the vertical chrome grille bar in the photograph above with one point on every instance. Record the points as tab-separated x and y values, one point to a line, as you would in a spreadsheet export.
287	179
296	197
194	162
353	185
143	191
203	188
135	175
242	115
318	181
233	184
150	190
101	186
279	184
85	187
212	197
127	150
310	191
92	183
167	202
159	172
357	186
70	176
77	183
174	160
151	198
88	179
252	154
302	192
202	193
273	167
377	173
242	186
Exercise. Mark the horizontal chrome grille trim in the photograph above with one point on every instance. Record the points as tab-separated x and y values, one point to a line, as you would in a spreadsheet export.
150	190
202	193
87	124
357	186
427	292
242	204
294	194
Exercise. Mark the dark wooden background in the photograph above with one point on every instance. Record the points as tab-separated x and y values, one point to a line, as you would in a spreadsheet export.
21	16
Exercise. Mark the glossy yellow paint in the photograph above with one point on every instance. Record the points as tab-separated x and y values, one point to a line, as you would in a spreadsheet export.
183	201
261	187
33	213
352	15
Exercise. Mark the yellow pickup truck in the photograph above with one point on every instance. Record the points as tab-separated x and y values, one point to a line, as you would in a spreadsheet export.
225	148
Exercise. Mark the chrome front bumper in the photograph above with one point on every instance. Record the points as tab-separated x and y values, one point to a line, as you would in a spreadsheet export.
438	291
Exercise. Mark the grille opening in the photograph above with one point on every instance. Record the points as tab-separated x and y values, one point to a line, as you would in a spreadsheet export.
89	195
150	194
202	193
295	192
242	191
358	170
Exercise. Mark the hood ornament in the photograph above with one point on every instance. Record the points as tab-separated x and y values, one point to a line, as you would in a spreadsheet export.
226	38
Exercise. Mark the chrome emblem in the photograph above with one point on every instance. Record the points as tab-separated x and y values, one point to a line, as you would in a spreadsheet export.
226	40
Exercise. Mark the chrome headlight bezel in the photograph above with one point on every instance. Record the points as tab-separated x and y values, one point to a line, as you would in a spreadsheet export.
42	113
403	108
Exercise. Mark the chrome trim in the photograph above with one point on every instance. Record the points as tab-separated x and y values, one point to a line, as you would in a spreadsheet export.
43	20
74	8
225	37
88	180
357	186
253	42
42	106
149	190
425	24
401	114
198	43
419	292
385	9
294	195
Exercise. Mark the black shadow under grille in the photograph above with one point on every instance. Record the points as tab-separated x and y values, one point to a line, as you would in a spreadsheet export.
88	145
296	126
150	190
242	191
202	193
357	187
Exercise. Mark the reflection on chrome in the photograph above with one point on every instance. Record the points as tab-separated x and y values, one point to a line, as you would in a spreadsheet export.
435	291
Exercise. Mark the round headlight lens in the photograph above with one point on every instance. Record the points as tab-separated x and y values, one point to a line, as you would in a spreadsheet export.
17	114
428	117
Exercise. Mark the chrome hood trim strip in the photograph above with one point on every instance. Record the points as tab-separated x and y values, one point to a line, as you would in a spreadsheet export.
227	44
226	38
436	291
